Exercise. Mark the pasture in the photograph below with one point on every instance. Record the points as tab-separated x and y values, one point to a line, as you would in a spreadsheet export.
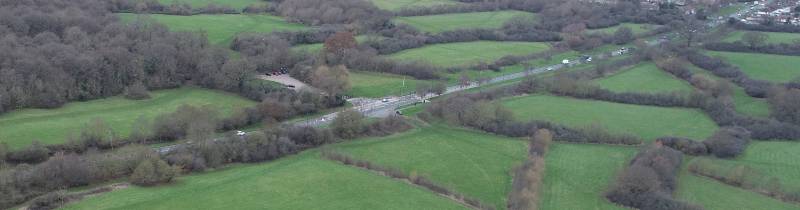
220	29
770	158
375	85
576	175
772	37
775	68
714	195
303	181
648	122
52	126
636	28
453	21
645	77
475	164
468	53
394	5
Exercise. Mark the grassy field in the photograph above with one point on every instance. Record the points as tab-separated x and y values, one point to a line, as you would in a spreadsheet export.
773	37
303	181
466	53
449	22
776	68
773	159
375	85
220	29
713	195
475	164
52	126
394	5
648	122
637	28
576	175
644	77
236	4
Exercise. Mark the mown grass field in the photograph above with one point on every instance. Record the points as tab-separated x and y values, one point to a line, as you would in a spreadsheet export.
375	85
449	22
236	4
644	77
776	68
475	164
637	28
773	159
304	181
393	5
220	29
466	53
648	122
576	175
772	37
714	195
52	126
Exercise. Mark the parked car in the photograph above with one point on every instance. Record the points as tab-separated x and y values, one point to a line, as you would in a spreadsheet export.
240	133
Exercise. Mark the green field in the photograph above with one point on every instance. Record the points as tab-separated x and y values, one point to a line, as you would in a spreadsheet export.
304	181
394	5
220	29
648	122
475	164
773	37
773	159
467	53
637	28
52	126
576	175
714	195
376	85
449	22
645	77
236	4
776	68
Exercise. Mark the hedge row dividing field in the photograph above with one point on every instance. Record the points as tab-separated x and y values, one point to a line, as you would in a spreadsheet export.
773	159
52	126
303	181
648	122
775	68
645	77
576	175
772	37
220	29
745	104
472	20
475	164
467	53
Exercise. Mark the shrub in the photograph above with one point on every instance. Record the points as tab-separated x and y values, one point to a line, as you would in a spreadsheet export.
35	153
136	91
728	142
49	201
152	172
348	124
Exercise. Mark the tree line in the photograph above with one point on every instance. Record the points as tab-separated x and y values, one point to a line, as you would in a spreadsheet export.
528	177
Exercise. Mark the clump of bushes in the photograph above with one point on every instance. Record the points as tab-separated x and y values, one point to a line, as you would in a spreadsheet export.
152	171
649	181
728	142
136	91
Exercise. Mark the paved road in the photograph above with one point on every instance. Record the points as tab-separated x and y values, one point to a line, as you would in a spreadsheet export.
378	108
